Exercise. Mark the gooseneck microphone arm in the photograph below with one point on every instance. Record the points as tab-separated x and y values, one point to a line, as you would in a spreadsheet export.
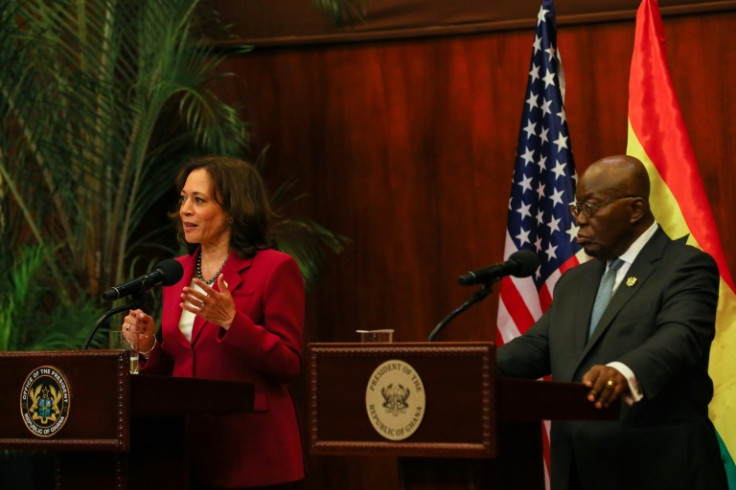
521	263
137	302
478	296
166	273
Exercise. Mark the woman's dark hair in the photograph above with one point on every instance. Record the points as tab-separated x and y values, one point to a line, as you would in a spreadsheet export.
239	190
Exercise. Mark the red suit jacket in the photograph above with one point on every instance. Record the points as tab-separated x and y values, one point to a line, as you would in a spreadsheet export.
263	346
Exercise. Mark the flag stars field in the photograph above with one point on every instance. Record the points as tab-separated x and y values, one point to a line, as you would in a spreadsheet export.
528	156
540	217
544	140
523	237
540	190
561	142
562	116
534	72
549	79
524	211
557	197
542	162
560	171
526	183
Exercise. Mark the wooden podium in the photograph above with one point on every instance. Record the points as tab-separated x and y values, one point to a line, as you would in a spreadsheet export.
476	430
108	429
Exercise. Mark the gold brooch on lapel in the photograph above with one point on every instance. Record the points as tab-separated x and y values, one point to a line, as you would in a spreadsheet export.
630	281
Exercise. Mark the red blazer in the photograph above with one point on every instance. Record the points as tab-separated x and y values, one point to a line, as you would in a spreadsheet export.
262	346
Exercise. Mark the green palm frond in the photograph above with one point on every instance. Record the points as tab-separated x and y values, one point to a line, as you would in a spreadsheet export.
90	87
343	11
308	242
24	321
100	103
18	280
302	238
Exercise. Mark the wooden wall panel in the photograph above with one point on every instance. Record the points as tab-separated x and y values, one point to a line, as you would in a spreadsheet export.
407	147
298	22
414	145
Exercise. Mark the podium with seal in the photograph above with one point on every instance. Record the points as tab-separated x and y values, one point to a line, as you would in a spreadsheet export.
440	409
108	429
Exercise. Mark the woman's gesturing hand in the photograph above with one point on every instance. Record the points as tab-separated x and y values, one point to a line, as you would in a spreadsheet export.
215	307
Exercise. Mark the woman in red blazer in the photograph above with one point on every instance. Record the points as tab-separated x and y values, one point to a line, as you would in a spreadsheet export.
236	314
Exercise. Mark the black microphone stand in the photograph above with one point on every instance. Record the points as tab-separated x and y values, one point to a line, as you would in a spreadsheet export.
137	302
478	296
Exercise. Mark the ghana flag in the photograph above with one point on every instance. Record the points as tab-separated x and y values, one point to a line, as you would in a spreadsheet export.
658	137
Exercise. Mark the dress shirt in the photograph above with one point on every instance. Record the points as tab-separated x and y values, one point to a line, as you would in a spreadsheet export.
635	393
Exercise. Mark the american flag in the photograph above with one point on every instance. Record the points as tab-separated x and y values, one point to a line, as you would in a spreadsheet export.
542	188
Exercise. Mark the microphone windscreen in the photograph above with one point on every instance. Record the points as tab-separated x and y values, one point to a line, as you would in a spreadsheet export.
171	271
527	262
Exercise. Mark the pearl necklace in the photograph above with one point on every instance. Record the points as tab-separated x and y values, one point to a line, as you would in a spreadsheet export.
199	270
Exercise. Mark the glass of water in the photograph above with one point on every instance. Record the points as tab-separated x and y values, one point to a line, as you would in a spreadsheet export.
127	341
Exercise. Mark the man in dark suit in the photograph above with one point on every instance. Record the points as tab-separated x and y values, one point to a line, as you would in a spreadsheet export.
649	346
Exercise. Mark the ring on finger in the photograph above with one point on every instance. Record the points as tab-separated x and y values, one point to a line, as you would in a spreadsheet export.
610	383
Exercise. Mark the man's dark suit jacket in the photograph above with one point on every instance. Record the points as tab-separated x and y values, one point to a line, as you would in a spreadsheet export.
660	323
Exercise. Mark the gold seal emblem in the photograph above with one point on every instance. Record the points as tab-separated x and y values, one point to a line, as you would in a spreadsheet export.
44	401
395	400
631	280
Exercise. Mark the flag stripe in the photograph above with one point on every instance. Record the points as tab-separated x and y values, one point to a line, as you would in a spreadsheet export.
651	101
658	137
543	186
722	364
515	305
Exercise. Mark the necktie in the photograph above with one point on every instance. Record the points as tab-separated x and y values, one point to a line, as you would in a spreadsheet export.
605	291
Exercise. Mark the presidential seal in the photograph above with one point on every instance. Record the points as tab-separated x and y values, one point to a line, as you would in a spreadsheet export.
395	400
44	401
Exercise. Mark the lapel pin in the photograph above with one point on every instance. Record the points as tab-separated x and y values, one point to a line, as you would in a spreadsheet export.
630	281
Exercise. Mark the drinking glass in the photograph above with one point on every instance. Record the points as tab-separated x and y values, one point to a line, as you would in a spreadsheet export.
127	341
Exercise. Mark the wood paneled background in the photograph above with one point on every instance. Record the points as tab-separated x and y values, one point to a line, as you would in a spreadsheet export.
407	147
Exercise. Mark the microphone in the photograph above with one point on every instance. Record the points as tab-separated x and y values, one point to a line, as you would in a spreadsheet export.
167	272
522	263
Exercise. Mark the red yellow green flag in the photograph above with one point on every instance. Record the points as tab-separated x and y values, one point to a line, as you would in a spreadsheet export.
658	137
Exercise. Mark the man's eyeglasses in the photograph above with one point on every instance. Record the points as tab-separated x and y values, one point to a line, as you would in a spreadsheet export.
588	209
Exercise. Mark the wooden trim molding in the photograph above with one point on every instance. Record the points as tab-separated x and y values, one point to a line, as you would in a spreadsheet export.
297	23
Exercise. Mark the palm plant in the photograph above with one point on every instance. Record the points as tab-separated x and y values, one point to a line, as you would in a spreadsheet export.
342	11
101	101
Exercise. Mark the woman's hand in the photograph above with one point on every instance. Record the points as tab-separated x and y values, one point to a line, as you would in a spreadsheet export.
137	322
215	307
